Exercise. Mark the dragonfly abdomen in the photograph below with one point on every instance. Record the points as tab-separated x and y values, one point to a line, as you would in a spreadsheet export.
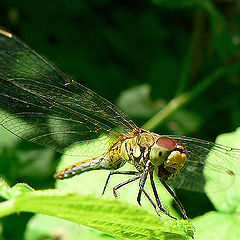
102	162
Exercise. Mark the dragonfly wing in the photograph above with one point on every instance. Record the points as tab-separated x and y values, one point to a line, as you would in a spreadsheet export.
42	104
210	166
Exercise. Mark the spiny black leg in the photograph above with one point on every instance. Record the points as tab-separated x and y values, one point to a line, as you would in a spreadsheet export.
139	197
117	172
124	183
142	183
159	204
176	199
141	186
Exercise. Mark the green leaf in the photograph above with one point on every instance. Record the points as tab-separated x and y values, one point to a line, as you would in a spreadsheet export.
137	102
5	189
223	224
8	193
21	188
57	228
227	200
217	226
110	216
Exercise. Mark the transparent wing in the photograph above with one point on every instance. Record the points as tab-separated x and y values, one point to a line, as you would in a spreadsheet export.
207	163
43	105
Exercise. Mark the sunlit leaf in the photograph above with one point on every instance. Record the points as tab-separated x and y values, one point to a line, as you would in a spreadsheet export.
110	216
217	226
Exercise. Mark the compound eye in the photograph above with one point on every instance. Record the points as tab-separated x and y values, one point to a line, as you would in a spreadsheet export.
166	142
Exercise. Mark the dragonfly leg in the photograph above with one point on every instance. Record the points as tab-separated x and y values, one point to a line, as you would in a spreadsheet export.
176	199
141	186
139	197
125	183
159	204
142	182
117	172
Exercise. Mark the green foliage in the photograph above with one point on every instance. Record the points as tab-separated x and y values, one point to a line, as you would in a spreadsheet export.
224	222
217	226
110	216
228	201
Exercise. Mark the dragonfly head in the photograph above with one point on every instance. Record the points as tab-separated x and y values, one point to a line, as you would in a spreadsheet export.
168	156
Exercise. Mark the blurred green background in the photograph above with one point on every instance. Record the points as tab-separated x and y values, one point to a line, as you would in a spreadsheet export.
139	55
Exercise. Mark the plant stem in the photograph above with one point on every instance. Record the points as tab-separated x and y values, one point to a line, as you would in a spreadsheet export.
184	98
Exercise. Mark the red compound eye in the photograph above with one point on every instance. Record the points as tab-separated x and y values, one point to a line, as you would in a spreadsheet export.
166	142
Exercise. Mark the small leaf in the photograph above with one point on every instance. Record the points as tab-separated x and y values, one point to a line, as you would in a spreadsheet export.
137	102
21	188
8	193
5	189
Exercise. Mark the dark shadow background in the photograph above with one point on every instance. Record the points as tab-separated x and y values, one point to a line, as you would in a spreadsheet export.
139	55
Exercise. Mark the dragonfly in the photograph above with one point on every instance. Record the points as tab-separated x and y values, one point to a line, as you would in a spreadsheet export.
43	105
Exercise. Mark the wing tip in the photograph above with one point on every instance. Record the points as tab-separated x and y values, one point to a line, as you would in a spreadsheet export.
5	33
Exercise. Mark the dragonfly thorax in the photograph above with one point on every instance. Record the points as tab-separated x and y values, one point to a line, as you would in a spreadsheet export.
136	150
